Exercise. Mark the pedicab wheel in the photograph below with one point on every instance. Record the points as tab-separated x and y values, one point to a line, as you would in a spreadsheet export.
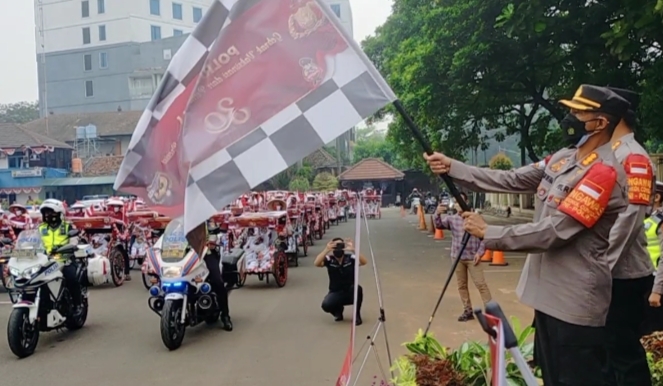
117	267
310	239
280	271
305	248
146	280
319	233
294	259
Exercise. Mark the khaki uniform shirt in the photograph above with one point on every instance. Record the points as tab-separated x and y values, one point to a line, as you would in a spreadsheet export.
627	254
566	275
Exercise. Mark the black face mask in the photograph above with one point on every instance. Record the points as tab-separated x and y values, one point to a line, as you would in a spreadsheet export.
338	253
574	132
52	219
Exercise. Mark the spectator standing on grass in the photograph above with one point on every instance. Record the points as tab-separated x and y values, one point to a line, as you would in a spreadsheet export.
469	261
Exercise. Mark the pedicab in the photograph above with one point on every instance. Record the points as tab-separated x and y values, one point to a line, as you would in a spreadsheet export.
226	241
107	267
308	222
352	205
372	204
342	209
7	237
301	232
148	226
286	237
319	222
271	259
332	211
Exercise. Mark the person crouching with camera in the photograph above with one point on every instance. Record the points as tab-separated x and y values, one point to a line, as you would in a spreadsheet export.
339	259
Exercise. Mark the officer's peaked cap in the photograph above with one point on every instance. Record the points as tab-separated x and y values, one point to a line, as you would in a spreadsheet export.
631	96
597	99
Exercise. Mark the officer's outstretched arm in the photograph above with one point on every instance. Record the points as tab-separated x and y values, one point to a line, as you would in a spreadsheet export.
629	221
595	194
522	180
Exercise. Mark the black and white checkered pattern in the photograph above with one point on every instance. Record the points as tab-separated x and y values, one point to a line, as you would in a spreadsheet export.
352	91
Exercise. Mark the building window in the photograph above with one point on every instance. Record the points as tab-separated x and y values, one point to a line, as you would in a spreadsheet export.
155	7
141	86
101	6
197	14
337	9
177	32
156	32
102	33
87	62
89	89
103	60
86	35
177	11
85	8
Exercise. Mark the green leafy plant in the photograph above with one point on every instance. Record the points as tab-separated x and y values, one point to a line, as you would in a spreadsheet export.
471	359
299	184
324	182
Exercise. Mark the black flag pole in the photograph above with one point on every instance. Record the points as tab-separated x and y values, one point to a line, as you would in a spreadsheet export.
454	192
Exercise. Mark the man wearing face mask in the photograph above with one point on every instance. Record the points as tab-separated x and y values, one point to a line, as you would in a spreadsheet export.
339	259
629	259
580	191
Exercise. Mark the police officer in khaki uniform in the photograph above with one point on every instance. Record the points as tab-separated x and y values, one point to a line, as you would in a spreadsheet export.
580	192
629	259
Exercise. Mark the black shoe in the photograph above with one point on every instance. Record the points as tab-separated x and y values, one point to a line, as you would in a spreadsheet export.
338	317
358	321
227	323
465	316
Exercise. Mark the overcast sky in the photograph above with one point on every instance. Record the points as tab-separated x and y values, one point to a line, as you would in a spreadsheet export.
18	66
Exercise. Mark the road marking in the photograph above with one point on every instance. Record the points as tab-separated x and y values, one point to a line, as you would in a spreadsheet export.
5	302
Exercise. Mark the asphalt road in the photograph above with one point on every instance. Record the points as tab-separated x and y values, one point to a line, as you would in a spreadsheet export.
281	336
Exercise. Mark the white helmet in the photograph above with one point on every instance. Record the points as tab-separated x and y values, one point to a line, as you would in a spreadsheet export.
55	205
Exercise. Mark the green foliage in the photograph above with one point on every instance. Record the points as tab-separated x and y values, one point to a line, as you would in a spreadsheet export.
299	184
325	182
473	71
471	359
501	161
20	112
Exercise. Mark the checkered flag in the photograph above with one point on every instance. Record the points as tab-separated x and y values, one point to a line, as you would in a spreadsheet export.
258	86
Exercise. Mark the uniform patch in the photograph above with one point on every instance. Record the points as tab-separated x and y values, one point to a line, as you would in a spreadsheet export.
591	157
542	164
640	179
558	165
588	200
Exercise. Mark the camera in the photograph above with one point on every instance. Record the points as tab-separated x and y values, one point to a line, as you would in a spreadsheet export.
339	245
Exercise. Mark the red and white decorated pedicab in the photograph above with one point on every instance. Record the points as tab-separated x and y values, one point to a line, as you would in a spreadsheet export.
146	227
262	257
372	202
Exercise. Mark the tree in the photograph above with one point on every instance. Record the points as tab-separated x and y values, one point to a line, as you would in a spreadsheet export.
20	112
324	182
299	184
501	161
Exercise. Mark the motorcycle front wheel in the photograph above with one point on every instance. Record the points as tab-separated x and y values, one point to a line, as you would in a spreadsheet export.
21	335
172	331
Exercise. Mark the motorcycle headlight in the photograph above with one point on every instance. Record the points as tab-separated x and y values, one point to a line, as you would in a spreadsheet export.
25	274
171	272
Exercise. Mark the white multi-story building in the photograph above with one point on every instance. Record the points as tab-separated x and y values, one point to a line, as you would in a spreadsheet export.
107	55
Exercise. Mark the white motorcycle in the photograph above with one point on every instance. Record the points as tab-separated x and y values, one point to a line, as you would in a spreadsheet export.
184	297
41	300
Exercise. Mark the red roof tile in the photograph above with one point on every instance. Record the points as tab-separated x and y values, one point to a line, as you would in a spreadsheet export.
371	169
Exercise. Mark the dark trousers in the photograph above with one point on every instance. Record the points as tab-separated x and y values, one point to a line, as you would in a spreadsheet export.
335	301
71	282
568	354
212	261
626	358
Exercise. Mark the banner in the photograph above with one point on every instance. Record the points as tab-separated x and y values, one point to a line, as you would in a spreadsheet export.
256	87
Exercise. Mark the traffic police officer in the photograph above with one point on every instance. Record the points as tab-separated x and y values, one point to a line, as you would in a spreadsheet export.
654	241
580	191
629	260
54	234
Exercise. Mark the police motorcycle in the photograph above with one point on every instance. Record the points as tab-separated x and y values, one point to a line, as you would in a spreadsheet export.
430	204
41	300
183	297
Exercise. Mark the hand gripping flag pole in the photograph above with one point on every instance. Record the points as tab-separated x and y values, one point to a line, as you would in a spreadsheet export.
454	192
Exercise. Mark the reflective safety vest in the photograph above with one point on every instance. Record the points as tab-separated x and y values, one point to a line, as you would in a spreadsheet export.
652	225
54	237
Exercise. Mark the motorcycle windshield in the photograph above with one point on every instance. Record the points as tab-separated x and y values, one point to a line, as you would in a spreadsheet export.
28	244
174	244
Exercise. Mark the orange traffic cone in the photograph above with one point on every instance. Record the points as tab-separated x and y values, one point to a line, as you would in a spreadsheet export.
498	259
439	234
487	256
422	220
